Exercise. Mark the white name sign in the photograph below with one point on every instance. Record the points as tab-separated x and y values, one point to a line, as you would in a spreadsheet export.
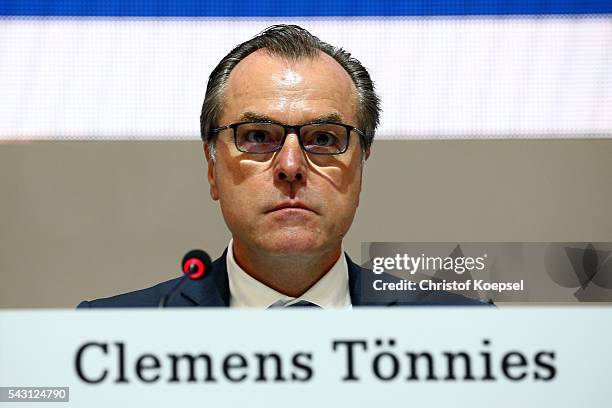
523	356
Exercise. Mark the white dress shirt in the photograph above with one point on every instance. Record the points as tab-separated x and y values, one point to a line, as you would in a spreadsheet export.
330	292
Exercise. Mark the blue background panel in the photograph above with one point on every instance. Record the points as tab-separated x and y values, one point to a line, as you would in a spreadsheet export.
299	8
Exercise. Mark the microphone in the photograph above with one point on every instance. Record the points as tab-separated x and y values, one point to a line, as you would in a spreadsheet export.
195	265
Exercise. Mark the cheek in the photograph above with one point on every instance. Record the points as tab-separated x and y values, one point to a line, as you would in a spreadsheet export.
236	186
354	190
244	190
232	175
341	196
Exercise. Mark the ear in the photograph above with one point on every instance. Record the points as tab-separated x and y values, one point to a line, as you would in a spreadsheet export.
214	192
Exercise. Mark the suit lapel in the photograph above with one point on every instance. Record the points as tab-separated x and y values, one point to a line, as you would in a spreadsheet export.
355	277
360	287
212	290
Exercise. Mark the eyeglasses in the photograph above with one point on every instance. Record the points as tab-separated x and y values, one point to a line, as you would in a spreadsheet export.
326	138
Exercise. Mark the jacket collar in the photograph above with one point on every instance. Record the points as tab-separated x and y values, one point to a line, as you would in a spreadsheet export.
213	290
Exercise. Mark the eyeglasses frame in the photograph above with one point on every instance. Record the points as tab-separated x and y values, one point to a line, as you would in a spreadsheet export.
297	130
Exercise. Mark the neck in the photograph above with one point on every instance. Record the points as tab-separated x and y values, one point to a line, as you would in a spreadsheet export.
291	275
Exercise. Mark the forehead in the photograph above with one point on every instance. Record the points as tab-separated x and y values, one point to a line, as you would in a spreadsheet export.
289	91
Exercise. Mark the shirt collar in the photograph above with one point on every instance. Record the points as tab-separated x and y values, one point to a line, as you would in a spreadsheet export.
330	292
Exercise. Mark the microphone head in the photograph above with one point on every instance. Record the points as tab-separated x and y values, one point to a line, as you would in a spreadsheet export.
196	263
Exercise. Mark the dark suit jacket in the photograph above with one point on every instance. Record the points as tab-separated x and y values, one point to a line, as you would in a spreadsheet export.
213	291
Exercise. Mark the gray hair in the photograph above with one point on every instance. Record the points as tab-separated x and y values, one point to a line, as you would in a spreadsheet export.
292	42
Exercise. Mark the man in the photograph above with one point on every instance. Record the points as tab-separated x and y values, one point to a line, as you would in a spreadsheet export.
287	124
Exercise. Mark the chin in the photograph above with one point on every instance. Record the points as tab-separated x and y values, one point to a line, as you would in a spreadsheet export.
291	245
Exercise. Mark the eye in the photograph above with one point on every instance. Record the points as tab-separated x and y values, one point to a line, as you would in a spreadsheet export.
257	136
324	139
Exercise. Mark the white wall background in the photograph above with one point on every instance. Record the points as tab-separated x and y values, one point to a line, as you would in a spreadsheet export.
102	78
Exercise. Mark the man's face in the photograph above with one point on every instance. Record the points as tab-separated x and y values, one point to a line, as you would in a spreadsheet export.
288	202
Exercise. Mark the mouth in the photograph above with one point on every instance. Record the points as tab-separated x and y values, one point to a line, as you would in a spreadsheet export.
291	206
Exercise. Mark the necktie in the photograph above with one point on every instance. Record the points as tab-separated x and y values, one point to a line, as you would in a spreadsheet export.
279	304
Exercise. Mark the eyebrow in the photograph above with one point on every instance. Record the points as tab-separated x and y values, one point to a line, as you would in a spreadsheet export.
250	116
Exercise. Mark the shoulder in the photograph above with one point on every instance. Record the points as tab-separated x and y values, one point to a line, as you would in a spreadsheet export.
211	290
149	297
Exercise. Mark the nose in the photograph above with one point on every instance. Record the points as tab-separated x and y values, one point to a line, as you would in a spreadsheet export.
290	161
